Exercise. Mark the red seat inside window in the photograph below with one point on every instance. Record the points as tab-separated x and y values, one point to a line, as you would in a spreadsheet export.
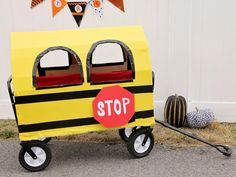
113	76
51	81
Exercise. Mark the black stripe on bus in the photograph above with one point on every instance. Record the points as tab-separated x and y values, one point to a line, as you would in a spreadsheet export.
74	95
75	122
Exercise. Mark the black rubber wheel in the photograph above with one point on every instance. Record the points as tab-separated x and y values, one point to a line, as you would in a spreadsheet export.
126	132
135	143
42	152
46	140
123	134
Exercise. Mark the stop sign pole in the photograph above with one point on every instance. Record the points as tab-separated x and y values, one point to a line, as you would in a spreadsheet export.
113	106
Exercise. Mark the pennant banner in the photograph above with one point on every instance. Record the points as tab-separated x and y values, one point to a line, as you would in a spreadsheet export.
57	6
119	4
97	5
35	3
77	9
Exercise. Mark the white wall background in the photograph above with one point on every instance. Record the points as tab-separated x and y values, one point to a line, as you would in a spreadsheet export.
192	45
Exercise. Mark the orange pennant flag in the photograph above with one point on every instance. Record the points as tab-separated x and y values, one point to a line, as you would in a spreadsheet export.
57	6
118	3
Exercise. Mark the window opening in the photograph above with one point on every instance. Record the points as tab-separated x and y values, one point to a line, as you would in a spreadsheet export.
56	67
110	61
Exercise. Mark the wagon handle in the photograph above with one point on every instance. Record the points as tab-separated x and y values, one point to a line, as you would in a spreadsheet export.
10	90
11	94
221	148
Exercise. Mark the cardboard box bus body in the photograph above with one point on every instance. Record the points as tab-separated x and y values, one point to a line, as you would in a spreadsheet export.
65	106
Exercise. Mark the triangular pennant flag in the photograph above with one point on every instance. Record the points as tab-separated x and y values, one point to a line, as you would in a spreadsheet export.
119	4
77	9
35	3
97	6
57	6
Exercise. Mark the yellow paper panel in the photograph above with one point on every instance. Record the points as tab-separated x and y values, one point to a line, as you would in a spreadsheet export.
26	46
69	109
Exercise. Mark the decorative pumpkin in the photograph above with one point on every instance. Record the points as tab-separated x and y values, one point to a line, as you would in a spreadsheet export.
175	110
200	118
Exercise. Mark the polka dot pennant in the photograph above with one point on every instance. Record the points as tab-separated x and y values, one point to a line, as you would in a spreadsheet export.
97	6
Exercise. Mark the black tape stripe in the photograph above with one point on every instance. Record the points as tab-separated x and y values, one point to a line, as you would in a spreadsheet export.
75	122
74	95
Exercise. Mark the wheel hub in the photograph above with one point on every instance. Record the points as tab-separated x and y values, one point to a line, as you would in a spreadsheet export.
138	144
38	160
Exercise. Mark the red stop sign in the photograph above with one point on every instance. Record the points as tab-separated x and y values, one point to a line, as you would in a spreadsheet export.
113	106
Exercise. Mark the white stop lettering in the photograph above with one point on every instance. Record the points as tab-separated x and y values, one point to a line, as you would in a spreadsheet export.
118	106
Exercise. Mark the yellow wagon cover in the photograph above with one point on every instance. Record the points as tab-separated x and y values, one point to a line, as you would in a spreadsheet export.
65	110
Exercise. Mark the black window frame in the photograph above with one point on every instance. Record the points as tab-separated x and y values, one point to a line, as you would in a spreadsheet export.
40	56
124	48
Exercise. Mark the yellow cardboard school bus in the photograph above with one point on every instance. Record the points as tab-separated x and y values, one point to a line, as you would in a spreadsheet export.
62	87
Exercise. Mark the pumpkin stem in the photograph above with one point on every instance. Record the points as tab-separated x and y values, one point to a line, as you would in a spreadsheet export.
176	95
196	109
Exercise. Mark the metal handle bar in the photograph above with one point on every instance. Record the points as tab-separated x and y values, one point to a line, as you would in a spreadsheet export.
221	148
10	91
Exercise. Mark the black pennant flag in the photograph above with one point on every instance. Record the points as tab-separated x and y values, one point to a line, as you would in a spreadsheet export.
77	9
